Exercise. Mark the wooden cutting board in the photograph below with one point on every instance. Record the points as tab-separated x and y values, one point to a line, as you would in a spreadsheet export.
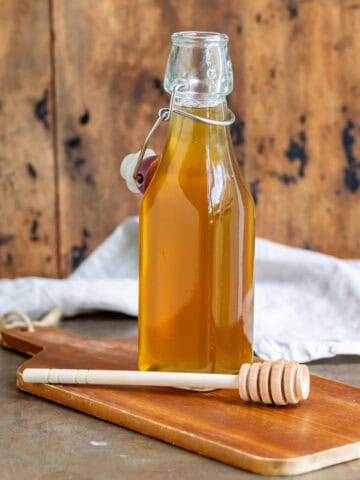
322	431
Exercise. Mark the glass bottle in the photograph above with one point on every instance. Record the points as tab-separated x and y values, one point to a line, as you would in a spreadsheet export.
197	226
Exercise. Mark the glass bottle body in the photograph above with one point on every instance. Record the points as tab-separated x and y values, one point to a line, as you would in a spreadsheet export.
196	253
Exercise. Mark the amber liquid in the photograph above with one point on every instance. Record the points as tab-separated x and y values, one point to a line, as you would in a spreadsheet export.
196	254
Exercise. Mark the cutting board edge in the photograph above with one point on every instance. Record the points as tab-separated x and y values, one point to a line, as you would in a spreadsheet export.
208	448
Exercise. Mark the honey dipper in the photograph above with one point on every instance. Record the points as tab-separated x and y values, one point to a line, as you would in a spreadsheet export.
274	383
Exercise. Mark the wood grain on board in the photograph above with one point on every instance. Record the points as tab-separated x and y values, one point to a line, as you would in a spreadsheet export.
321	431
28	243
296	99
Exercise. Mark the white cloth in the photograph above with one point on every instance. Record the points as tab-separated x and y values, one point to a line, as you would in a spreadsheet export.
307	305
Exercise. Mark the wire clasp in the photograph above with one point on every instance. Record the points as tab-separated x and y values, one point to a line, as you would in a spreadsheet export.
164	115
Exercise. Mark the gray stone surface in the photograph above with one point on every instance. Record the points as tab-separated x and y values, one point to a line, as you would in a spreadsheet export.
41	440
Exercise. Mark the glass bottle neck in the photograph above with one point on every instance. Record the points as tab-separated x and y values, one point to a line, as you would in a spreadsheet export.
187	130
200	62
200	101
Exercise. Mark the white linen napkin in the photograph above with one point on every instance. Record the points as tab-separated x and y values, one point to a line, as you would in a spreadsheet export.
307	304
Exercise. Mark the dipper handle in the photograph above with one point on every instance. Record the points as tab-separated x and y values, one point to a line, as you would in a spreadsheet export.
277	383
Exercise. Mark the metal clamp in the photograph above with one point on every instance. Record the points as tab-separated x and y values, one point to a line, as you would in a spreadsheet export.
164	115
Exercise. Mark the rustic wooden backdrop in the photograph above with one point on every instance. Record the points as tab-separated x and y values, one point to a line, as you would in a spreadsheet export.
80	84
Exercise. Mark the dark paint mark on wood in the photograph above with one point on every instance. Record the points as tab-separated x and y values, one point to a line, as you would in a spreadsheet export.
296	152
254	189
157	82
86	233
237	131
287	179
354	6
292	10
351	178
258	18
34	236
344	109
79	162
158	85
260	147
239	29
72	143
302	118
48	259
41	109
31	170
348	141
89	180
9	259
272	73
307	245
84	119
79	252
6	239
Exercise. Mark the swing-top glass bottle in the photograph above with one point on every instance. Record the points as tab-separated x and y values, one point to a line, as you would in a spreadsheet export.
197	226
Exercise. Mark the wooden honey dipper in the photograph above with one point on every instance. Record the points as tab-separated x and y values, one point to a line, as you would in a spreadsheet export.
273	383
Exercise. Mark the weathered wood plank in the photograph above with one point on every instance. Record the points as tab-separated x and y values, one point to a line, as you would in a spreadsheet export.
302	115
296	87
296	77
27	186
110	71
